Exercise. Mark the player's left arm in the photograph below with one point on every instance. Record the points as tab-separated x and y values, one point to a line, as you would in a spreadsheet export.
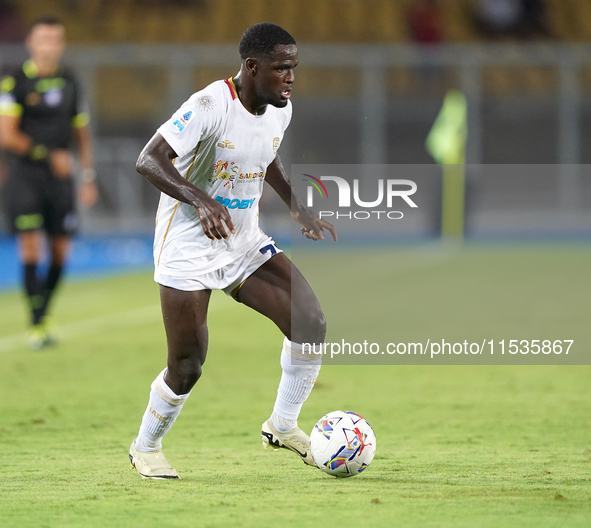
88	192
312	226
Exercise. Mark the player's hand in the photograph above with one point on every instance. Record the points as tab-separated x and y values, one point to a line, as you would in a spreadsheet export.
213	215
60	163
87	194
313	226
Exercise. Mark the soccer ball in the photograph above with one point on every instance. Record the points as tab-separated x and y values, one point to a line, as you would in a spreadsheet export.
342	444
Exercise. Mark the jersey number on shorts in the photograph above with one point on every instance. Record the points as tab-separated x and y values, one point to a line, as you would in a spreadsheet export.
270	248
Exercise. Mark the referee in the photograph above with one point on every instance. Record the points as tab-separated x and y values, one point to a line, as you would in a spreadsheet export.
41	111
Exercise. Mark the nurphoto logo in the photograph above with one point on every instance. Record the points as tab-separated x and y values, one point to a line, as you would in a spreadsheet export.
388	189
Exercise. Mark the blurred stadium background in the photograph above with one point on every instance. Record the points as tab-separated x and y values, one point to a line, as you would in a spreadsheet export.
371	80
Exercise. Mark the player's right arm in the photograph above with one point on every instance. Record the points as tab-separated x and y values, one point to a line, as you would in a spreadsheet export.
155	164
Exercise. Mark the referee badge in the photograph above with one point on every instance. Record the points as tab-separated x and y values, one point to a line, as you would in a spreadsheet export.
53	97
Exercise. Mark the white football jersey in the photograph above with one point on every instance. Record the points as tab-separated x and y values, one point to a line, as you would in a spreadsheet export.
224	150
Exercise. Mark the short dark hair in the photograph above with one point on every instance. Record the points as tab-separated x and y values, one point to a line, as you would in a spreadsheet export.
261	39
46	20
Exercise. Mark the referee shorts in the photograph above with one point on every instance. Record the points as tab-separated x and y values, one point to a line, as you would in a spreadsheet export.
38	200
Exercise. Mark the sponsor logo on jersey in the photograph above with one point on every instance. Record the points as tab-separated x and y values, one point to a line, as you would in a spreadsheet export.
226	143
235	203
252	175
276	142
224	170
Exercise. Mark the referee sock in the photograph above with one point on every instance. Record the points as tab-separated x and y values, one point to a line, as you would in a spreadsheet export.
53	277
300	370
163	409
33	291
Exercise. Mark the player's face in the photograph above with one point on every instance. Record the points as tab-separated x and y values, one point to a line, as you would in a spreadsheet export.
47	43
276	76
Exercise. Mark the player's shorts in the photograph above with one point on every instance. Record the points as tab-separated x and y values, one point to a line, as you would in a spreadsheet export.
228	278
38	200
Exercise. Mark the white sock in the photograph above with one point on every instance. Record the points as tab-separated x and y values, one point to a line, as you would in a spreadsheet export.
163	408
300	370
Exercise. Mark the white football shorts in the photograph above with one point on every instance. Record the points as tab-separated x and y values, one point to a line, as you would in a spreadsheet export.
228	278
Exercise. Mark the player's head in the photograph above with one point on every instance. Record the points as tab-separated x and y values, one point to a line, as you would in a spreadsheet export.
261	40
269	55
46	40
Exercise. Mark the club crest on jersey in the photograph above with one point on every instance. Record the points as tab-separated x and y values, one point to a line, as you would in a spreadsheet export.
226	171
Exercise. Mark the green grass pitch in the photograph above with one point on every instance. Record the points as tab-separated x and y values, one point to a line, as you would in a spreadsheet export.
458	446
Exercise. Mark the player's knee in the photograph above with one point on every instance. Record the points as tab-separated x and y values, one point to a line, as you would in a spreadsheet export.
184	376
312	326
185	368
191	375
319	324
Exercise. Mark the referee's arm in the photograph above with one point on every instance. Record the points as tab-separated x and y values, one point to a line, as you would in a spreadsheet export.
12	137
88	193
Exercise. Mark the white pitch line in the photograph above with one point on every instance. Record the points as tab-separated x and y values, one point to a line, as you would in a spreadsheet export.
94	325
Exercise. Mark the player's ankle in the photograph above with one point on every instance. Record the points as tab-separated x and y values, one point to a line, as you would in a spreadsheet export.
282	424
145	446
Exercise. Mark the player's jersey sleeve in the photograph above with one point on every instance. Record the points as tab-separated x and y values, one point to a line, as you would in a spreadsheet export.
198	118
9	104
80	111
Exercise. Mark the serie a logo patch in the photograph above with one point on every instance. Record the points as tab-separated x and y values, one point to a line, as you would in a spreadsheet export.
182	122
